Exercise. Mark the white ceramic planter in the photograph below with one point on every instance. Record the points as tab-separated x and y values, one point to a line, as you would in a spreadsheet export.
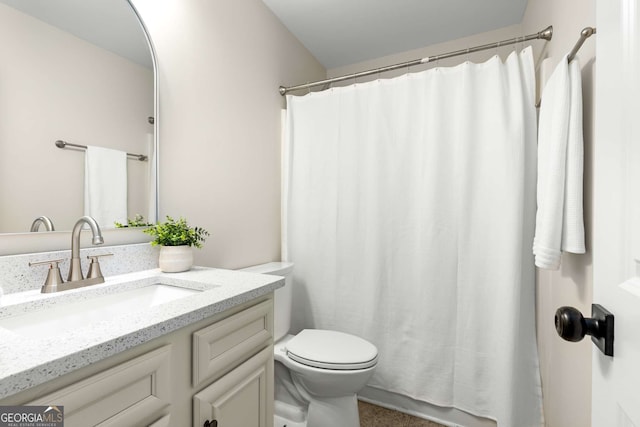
174	259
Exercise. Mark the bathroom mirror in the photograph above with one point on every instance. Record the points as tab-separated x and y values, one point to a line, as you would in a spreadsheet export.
81	71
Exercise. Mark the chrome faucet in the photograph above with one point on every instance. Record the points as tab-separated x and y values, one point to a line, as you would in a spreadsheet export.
75	270
48	225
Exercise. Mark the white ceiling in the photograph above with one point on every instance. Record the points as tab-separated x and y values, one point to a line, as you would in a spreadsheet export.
343	32
110	24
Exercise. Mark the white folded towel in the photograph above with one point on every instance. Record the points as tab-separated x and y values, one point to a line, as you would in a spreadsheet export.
559	219
105	189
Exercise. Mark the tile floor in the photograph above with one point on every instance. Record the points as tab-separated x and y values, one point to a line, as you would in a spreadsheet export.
376	416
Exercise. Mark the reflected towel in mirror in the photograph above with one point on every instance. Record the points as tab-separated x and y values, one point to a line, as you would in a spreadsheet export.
105	187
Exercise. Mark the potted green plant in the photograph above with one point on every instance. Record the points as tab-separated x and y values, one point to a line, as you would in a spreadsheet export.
176	238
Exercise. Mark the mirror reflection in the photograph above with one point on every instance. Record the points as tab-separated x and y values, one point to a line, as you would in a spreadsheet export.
73	72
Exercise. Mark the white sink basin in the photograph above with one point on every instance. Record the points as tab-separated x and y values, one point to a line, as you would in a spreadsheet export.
61	318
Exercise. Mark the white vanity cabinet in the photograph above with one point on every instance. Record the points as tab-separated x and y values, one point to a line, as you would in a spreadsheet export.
219	368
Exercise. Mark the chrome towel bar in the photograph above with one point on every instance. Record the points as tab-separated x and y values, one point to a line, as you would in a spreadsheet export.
63	144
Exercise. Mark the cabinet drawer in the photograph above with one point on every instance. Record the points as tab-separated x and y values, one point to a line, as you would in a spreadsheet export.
226	344
133	393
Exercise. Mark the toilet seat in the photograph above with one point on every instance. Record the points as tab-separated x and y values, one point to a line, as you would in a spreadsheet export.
335	350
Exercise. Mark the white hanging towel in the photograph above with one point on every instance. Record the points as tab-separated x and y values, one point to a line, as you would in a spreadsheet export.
105	186
559	218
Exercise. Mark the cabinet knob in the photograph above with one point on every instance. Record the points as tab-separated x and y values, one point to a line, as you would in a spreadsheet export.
208	423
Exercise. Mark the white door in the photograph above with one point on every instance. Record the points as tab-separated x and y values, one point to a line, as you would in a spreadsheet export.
616	214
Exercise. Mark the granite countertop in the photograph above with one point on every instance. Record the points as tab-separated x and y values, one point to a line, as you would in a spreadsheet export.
26	361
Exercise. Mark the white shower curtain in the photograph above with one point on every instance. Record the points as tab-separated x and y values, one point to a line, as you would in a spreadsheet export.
410	209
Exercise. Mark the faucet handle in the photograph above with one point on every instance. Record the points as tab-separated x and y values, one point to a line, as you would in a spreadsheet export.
94	266
54	278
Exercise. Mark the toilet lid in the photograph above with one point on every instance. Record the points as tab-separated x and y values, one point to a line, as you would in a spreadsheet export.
331	350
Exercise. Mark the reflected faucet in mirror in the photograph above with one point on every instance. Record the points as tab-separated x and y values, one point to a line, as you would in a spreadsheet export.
48	224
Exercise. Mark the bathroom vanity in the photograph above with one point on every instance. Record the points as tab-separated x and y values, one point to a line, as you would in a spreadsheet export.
145	349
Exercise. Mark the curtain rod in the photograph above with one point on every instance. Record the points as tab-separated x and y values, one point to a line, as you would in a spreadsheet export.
584	34
63	144
545	34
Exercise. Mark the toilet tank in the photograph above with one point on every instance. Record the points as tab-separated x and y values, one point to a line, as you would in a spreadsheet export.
283	296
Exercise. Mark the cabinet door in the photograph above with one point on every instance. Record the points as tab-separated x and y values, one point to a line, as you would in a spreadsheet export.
241	398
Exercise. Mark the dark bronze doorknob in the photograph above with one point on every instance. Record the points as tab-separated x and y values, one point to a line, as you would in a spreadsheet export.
208	423
571	325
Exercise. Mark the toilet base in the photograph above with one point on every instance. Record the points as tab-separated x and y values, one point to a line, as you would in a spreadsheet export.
333	411
290	415
279	421
321	412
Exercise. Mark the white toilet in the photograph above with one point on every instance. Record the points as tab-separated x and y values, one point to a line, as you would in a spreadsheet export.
317	372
